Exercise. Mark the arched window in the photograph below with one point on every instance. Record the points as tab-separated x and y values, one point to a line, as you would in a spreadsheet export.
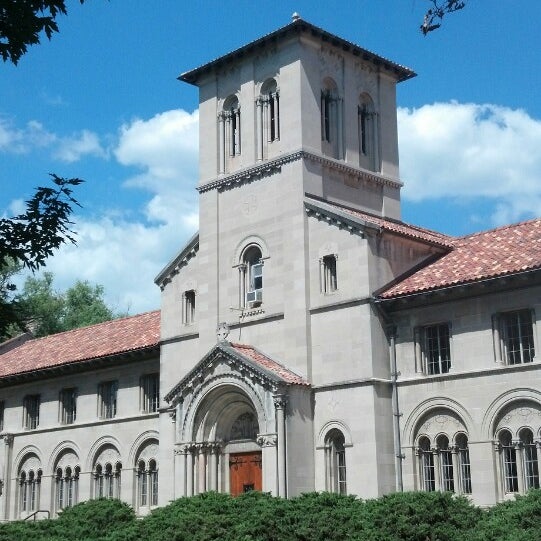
446	464
335	458
107	480
426	465
146	471
464	467
29	485
67	481
509	461
147	483
229	131
267	117
245	427
251	277
529	460
331	120
368	134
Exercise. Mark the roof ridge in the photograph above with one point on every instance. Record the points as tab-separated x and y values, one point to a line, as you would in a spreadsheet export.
499	228
101	324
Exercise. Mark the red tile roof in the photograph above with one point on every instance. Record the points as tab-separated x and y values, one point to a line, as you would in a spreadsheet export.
269	364
390	225
499	252
114	337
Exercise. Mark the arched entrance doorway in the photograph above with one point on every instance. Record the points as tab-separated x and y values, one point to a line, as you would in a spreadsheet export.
227	456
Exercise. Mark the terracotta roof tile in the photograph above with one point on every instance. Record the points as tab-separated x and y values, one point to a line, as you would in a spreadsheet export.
269	364
104	339
489	254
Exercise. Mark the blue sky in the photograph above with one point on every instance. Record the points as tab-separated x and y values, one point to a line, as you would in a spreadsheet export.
101	102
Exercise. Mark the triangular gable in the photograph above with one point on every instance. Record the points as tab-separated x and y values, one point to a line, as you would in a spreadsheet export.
357	221
240	358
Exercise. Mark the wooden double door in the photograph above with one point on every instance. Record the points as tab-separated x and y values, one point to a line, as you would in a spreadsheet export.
245	472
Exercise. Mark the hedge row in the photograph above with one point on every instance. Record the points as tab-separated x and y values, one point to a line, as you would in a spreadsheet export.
413	516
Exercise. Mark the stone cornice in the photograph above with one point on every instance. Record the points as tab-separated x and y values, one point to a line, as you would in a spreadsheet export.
179	261
342	222
273	166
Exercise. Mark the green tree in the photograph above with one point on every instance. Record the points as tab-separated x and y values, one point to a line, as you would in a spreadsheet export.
49	311
22	22
28	239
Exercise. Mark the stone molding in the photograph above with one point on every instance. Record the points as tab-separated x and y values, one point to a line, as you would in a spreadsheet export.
273	166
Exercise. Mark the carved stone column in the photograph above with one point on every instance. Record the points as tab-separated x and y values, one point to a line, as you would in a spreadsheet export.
280	406
221	143
520	464
259	128
189	471
267	442
6	481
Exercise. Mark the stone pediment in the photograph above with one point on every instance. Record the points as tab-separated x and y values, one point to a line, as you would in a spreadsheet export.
242	359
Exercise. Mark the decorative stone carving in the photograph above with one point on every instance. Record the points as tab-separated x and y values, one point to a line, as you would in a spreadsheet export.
222	331
68	458
108	454
280	401
267	440
8	439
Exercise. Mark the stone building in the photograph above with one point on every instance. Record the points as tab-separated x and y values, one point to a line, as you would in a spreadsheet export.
308	339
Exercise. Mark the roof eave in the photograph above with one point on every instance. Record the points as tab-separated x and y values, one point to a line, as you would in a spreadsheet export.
105	361
487	285
296	27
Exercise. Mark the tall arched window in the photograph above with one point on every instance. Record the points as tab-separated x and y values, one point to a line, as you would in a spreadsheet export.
368	134
529	459
446	464
331	120
66	480
147	483
464	467
426	465
251	277
509	461
267	117
229	133
335	458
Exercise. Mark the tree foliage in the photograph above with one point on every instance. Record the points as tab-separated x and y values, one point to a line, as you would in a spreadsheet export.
48	311
435	15
22	22
28	239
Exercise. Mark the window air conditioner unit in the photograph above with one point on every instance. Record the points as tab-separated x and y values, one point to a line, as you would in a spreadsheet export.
254	298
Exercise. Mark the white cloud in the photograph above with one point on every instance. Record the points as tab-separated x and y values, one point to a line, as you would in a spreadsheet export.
123	254
23	140
454	150
72	149
165	148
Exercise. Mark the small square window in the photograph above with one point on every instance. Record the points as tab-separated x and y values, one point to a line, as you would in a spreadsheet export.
31	405
433	348
107	392
150	393
514	337
68	406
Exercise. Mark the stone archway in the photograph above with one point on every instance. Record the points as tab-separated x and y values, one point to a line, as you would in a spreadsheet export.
224	454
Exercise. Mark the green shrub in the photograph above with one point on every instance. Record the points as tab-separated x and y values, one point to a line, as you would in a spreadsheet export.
516	520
